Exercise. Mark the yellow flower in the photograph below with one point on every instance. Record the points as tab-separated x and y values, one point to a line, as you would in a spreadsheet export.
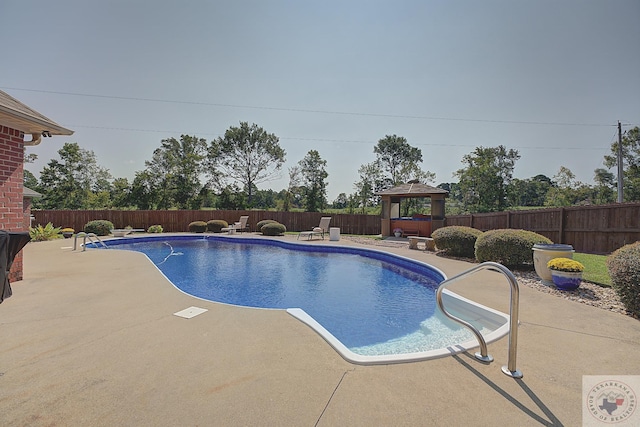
565	264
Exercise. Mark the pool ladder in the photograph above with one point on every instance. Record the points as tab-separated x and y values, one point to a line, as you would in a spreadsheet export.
509	369
85	237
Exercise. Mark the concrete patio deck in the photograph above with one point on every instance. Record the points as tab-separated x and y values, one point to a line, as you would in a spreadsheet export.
90	339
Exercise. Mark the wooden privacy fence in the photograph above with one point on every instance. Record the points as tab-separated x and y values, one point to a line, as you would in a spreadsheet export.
597	229
177	221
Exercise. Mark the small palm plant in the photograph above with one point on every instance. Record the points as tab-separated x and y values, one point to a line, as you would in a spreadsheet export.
48	232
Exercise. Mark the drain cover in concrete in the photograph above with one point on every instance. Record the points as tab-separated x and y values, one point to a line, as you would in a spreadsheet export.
190	312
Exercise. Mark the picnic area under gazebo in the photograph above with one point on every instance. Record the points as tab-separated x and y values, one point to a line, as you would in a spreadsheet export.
415	209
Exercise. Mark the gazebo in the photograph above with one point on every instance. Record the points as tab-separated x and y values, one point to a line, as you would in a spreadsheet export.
405	207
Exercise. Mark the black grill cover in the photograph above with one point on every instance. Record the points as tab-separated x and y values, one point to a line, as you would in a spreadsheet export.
10	244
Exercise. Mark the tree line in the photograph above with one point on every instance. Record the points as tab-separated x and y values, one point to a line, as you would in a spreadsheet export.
191	173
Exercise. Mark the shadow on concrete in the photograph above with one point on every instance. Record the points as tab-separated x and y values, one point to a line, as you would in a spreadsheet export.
552	419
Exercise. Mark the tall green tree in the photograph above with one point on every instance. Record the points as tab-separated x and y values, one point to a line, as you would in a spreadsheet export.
29	180
231	198
292	195
174	171
399	160
146	190
372	180
528	192
605	188
313	173
631	162
247	154
121	193
567	190
74	181
340	202
484	181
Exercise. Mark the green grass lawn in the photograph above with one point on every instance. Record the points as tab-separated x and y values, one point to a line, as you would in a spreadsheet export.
595	268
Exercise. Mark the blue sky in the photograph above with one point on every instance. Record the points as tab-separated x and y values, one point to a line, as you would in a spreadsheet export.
549	78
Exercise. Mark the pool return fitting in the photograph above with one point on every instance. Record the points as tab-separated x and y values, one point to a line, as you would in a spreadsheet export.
509	369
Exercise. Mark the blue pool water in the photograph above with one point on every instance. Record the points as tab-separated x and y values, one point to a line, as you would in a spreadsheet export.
372	302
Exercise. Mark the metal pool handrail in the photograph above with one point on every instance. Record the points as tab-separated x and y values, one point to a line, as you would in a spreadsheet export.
510	369
86	236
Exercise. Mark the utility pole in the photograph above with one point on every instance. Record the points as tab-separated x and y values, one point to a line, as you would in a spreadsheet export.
620	165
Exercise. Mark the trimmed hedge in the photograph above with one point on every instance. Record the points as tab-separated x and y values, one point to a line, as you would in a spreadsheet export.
624	269
216	225
155	229
512	248
198	227
100	227
263	222
273	229
456	240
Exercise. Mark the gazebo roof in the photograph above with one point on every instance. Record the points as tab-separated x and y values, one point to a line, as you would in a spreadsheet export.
412	190
17	115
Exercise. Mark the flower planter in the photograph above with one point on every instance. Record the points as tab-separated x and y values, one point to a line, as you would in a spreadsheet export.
397	234
566	280
543	253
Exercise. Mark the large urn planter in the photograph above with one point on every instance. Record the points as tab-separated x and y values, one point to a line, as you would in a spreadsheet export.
566	273
543	253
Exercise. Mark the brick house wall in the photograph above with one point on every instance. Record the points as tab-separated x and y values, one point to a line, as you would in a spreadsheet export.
14	211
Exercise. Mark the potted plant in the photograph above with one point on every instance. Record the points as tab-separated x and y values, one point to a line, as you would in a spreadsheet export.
397	232
543	253
67	232
566	273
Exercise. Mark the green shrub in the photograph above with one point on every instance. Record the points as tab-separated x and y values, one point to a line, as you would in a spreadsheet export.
456	240
99	227
624	269
198	227
273	229
155	229
48	232
216	225
513	248
263	222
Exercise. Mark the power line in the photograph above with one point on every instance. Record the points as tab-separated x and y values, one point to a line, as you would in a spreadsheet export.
301	110
348	141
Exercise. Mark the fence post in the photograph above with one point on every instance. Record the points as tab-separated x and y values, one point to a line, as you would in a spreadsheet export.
561	228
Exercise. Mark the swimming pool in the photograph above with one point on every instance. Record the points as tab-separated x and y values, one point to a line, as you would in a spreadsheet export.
371	306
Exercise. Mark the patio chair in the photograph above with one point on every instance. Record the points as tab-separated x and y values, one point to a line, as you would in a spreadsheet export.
237	226
242	224
322	228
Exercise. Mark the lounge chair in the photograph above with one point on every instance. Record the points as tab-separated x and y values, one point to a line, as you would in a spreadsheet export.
242	224
121	232
237	226
322	228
